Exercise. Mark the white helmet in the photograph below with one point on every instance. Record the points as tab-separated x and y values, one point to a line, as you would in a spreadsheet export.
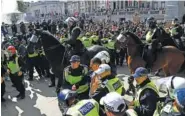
103	68
103	56
175	83
71	20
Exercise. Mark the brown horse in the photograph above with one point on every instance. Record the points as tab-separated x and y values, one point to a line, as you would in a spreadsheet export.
170	59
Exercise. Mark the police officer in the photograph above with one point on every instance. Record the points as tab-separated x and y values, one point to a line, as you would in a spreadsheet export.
70	106
115	105
153	38
23	28
33	59
86	40
37	25
111	47
15	71
108	83
74	33
176	32
146	99
177	107
31	27
75	77
14	28
3	71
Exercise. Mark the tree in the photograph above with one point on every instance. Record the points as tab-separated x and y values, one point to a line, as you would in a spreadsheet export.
21	6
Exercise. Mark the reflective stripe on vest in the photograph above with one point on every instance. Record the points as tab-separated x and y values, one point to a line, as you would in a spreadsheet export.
150	85
32	55
111	44
87	42
84	108
168	108
76	79
114	85
173	31
105	39
13	66
149	36
131	112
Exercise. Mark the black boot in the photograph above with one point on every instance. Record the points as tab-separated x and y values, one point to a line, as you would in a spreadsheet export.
30	79
2	99
22	96
19	95
52	85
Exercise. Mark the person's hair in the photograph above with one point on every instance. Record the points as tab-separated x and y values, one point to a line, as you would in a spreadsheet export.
96	61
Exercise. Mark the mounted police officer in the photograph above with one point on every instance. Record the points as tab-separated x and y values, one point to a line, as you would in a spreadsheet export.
71	106
74	32
153	38
176	33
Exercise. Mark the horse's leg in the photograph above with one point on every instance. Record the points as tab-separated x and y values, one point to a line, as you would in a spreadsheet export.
166	70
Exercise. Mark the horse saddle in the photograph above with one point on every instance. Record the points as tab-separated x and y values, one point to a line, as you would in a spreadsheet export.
149	54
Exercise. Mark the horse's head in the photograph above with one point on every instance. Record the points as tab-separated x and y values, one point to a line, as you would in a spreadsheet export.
128	40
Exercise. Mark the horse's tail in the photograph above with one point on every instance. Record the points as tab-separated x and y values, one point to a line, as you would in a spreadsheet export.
183	65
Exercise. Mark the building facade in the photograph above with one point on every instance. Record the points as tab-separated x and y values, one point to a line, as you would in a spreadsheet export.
46	10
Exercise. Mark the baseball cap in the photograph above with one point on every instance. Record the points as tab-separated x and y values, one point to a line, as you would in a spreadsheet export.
141	71
103	68
75	58
113	102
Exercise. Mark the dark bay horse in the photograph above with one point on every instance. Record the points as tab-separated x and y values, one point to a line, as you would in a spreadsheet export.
56	53
170	59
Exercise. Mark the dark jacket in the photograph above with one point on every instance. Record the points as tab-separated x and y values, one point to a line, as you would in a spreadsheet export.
20	62
14	28
75	72
102	90
148	100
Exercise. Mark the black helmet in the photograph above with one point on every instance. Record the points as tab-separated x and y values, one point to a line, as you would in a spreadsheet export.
151	22
63	98
66	94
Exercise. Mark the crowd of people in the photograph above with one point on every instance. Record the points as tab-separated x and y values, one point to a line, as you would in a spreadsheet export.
93	90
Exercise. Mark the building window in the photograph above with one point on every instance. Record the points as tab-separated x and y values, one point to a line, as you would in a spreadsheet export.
135	4
163	4
126	3
121	4
155	5
148	5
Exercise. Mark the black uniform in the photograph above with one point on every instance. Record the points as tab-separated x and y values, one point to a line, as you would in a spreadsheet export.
14	28
178	36
148	100
18	80
3	71
23	28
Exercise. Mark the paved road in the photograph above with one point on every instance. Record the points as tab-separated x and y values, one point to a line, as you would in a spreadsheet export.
40	99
